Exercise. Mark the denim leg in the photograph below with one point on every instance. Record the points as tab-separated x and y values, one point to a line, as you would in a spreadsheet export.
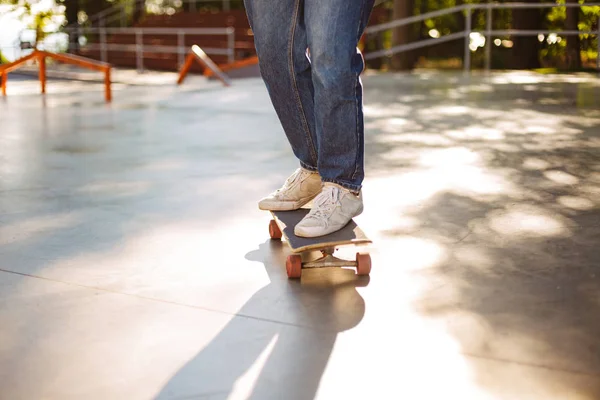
334	28
280	41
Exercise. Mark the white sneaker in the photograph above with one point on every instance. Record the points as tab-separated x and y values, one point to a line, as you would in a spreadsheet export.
333	208
300	188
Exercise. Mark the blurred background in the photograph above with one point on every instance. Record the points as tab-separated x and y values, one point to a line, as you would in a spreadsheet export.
135	263
403	35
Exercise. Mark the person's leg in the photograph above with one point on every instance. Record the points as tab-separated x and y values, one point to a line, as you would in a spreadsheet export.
333	29
280	41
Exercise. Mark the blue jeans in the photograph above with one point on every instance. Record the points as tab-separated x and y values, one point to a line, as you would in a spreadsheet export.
308	58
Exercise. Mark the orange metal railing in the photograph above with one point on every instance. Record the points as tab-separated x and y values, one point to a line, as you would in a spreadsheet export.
210	68
40	57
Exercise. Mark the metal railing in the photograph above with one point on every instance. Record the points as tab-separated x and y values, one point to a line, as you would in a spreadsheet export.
118	12
181	49
467	9
40	57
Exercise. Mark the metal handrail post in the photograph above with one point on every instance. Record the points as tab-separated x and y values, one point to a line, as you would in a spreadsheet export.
103	55
467	59
79	35
488	39
139	50
598	40
231	45
181	47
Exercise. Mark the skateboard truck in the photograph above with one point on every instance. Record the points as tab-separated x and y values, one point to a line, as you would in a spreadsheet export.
328	260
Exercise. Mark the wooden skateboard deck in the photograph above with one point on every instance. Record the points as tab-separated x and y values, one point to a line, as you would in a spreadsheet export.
351	234
283	224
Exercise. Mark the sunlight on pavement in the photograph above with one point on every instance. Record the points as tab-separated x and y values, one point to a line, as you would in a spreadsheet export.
160	281
561	177
576	203
528	221
243	387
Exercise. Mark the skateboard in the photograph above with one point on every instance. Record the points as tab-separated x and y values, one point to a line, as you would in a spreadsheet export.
282	225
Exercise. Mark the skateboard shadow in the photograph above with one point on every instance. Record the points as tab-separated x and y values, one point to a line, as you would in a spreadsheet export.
279	343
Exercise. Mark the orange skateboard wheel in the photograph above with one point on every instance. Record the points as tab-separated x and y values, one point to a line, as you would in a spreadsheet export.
363	264
274	230
293	266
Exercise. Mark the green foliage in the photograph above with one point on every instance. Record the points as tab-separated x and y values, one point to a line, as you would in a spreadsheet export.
3	60
35	18
588	17
553	50
588	21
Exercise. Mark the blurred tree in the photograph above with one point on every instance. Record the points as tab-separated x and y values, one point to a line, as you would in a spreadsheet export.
189	6
37	17
139	9
72	16
573	56
216	5
72	8
557	52
403	35
526	49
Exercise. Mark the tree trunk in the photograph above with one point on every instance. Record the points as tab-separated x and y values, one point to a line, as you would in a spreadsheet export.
376	42
526	49
190	6
573	42
38	34
402	35
71	13
139	9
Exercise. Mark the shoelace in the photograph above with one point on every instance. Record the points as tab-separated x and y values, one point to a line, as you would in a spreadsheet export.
326	202
290	181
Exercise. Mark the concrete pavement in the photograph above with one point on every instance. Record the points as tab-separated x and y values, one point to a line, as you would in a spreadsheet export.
135	264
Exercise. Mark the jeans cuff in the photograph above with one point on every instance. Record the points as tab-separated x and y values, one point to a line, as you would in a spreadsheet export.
308	167
345	185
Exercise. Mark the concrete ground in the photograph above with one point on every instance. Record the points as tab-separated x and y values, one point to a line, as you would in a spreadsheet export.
135	264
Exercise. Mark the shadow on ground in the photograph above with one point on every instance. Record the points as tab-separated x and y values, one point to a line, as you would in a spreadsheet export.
258	358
